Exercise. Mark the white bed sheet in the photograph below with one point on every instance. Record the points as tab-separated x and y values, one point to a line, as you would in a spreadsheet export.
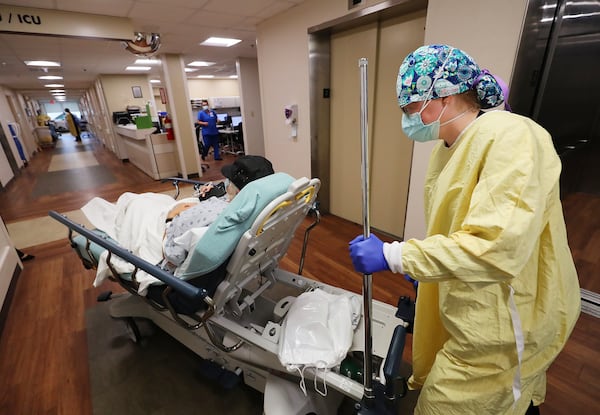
137	223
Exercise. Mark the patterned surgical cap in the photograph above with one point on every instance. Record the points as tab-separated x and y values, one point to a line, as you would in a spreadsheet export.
451	71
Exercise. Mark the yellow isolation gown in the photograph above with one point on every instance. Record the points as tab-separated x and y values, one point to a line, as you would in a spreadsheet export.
496	237
73	130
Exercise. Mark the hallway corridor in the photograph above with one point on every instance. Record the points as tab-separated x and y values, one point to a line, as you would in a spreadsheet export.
64	179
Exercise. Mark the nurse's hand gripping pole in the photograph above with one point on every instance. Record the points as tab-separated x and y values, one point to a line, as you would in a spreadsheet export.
378	399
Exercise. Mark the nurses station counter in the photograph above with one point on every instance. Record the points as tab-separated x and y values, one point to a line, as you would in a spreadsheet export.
151	153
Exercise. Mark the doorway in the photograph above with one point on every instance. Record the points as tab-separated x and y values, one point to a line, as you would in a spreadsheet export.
12	162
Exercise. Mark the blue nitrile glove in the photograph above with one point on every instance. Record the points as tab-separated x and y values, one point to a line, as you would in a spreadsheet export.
415	283
367	255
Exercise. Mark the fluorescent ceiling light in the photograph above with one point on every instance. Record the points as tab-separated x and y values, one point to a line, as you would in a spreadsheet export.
50	77
233	76
56	90
190	69
138	68
54	86
200	63
155	81
147	61
41	63
205	76
220	41
59	94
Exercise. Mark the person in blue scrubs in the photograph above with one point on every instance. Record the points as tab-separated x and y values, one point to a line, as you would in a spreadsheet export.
207	119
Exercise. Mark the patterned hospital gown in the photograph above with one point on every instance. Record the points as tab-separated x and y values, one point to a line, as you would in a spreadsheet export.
200	215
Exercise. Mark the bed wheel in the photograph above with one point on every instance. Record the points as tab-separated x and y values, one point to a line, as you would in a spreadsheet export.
133	330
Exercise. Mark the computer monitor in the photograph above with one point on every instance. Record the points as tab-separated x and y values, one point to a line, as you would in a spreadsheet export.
236	120
222	117
122	117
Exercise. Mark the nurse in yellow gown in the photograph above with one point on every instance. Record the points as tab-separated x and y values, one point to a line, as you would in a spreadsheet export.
498	291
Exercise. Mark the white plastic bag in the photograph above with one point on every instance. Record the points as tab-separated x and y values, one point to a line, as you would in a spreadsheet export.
318	331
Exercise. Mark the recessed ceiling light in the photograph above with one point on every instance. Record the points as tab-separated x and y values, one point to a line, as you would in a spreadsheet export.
41	63
54	86
138	68
59	94
56	90
233	76
155	81
205	76
190	69
220	41
50	77
200	63
147	61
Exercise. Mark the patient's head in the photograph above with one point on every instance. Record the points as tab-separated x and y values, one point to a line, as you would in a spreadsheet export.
246	169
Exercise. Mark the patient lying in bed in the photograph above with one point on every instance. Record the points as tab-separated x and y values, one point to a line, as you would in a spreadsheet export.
160	230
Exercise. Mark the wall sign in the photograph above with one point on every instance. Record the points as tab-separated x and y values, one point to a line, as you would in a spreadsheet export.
28	20
137	91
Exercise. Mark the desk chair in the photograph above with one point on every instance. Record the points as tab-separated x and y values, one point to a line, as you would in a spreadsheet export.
239	139
204	166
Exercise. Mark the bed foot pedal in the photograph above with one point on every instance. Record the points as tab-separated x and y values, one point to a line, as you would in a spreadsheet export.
215	372
104	296
406	311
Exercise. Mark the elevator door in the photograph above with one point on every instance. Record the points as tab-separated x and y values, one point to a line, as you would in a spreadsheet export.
556	83
384	44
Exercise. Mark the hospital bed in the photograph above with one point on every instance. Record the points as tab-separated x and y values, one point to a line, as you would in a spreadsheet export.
229	307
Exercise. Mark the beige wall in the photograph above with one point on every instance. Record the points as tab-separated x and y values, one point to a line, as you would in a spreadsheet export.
118	94
283	69
206	88
252	127
180	111
283	63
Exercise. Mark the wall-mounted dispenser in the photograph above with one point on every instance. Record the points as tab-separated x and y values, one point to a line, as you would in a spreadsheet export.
291	118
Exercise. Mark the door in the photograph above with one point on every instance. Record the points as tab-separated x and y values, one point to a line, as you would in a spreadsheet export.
8	169
556	83
384	44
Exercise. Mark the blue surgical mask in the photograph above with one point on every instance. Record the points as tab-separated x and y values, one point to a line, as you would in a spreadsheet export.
416	130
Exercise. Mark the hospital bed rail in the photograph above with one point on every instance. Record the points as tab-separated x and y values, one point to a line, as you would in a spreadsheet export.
176	180
191	292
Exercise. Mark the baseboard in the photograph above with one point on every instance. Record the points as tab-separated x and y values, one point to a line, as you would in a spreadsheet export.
9	296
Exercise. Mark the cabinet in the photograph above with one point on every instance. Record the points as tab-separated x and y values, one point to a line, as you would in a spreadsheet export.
151	153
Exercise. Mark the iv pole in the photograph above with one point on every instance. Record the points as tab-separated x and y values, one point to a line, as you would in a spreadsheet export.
386	402
367	278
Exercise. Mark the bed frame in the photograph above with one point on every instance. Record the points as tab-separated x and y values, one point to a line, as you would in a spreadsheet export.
238	325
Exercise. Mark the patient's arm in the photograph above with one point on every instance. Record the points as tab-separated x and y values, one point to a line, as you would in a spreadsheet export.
178	241
180	207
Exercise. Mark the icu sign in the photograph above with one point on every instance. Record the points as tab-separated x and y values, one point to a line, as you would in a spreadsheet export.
27	20
23	18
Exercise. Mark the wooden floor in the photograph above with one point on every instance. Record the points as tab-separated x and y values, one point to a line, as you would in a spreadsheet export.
43	348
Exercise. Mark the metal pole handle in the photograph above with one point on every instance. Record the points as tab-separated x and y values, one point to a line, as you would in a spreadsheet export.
368	394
